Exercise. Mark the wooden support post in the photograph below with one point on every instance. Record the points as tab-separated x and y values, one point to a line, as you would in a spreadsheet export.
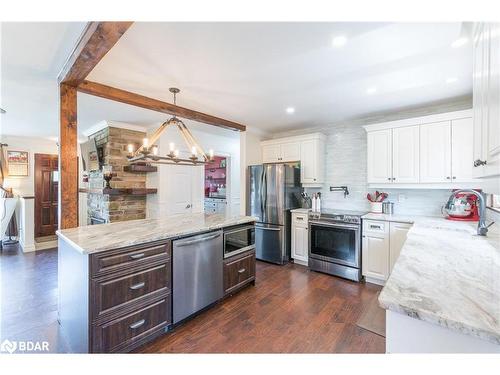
68	158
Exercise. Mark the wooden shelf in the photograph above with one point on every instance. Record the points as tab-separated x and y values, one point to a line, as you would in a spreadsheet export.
122	191
140	168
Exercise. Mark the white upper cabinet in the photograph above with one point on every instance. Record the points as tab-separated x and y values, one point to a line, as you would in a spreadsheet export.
308	149
486	99
290	151
271	153
405	154
286	152
430	151
380	156
435	150
462	150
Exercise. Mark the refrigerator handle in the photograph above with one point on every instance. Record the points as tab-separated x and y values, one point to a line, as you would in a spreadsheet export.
264	191
260	193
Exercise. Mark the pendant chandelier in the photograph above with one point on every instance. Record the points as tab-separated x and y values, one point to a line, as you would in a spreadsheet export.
148	152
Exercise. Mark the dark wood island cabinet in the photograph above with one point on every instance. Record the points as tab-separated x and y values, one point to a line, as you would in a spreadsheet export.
118	299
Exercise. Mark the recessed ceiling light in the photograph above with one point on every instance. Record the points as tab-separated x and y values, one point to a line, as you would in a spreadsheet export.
290	110
371	90
339	41
459	42
451	80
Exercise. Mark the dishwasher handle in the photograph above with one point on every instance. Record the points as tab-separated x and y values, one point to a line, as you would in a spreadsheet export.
198	239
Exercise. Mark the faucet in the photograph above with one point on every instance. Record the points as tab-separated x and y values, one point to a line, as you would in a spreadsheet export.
482	228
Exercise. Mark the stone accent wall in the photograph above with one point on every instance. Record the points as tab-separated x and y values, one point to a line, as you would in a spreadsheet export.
112	208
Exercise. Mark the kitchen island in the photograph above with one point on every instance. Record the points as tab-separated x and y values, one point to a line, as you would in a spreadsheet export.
116	280
443	294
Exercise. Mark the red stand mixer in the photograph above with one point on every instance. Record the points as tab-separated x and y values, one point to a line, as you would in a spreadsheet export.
462	207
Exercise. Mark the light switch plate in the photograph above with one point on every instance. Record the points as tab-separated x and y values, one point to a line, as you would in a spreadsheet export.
401	198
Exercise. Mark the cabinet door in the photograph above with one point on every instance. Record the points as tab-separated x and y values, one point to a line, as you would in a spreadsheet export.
308	162
376	256
462	158
290	151
300	243
435	152
271	153
380	156
397	240
493	93
405	154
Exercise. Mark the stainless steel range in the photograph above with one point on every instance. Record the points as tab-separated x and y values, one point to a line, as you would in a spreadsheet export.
335	243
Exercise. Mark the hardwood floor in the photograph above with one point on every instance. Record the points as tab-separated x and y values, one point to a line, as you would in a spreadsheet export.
28	306
289	310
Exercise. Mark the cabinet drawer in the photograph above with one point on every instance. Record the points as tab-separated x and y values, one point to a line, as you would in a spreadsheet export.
120	259
238	271
125	292
374	227
300	220
126	332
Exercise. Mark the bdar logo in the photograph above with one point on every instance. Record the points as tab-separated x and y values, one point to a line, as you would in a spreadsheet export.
8	346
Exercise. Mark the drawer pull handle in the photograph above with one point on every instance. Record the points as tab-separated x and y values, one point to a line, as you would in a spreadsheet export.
242	270
137	256
137	324
137	286
375	227
300	218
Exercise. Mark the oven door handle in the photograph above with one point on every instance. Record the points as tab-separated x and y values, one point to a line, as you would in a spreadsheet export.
337	225
239	229
268	228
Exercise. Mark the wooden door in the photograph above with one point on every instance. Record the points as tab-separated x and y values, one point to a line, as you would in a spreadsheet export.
435	152
380	156
405	155
46	187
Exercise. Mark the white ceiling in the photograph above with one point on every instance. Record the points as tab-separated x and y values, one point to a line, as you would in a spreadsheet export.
245	72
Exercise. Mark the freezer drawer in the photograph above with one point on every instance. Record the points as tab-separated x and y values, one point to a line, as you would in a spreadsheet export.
197	273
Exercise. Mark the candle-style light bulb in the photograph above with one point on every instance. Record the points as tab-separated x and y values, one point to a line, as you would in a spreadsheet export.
171	147
193	151
211	154
130	148
145	143
176	153
155	150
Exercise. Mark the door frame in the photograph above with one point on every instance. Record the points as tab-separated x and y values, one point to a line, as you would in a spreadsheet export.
36	174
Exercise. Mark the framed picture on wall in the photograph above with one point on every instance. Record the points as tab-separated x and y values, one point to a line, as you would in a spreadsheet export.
18	162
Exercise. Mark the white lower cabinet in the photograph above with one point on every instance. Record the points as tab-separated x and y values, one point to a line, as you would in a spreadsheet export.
382	244
300	238
398	232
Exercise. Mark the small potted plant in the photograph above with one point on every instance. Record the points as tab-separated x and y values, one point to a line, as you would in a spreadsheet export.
376	200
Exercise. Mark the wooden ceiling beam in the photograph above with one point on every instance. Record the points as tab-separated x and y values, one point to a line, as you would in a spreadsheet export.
96	40
122	96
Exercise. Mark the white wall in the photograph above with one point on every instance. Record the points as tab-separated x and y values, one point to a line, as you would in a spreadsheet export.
250	154
222	145
25	186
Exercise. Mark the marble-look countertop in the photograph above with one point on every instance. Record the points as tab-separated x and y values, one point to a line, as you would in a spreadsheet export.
301	210
95	238
449	276
394	218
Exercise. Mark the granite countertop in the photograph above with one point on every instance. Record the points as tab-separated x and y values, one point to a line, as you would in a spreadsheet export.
449	276
95	238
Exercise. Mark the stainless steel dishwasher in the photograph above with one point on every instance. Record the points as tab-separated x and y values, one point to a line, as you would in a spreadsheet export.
197	273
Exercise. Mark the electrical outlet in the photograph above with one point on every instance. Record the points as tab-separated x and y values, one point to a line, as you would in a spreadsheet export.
401	198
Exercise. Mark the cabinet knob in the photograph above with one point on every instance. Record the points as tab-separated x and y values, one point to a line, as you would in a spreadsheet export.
388	178
394	179
479	162
454	177
448	178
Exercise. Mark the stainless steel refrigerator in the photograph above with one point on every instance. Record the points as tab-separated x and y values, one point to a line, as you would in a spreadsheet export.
272	191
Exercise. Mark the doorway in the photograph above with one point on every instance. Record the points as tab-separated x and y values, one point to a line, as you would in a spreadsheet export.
217	185
46	196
